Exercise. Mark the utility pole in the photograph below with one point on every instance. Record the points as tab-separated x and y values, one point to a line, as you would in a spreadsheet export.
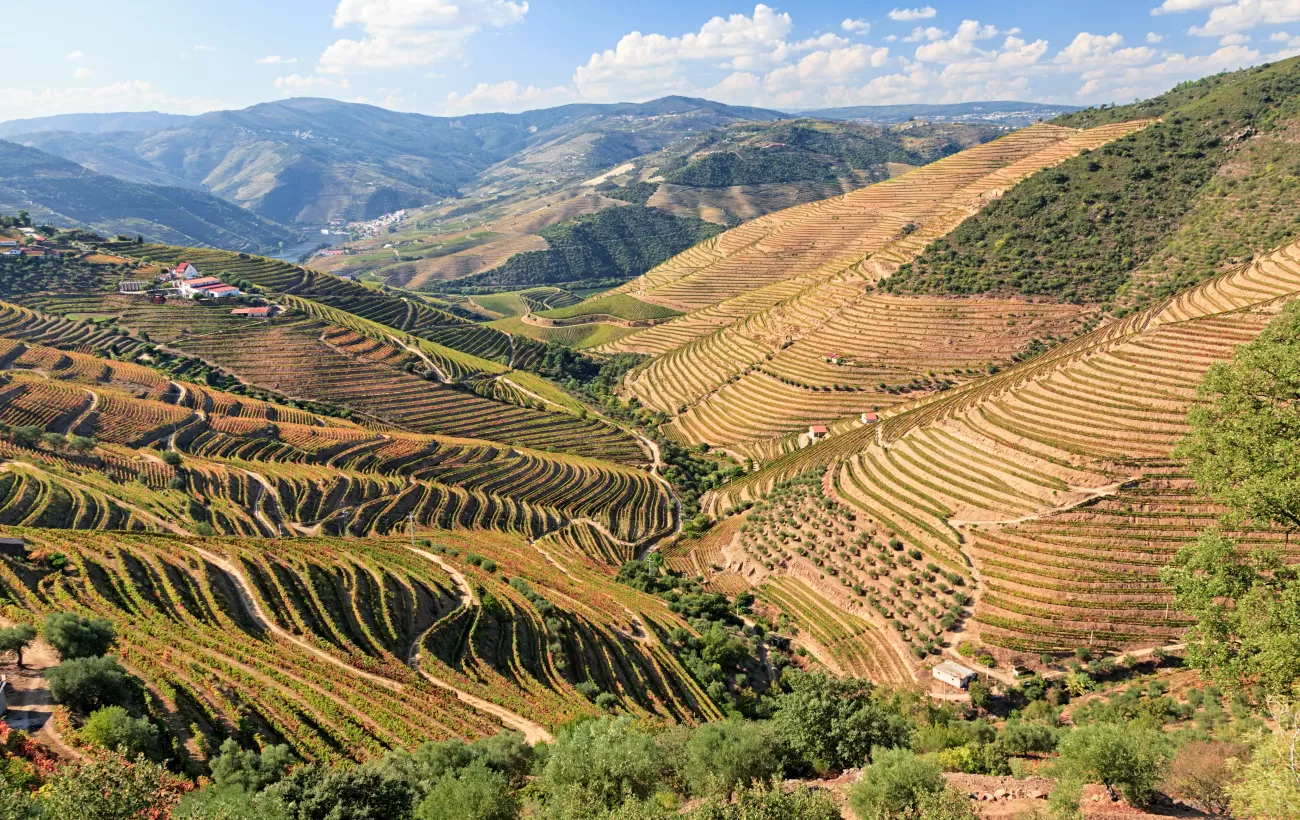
410	517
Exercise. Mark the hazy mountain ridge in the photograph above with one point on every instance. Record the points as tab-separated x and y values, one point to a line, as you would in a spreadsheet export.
66	194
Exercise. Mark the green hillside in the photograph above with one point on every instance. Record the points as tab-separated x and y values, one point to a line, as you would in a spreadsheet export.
614	244
1208	185
64	194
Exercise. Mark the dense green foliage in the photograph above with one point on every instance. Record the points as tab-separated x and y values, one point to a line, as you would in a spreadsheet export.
1125	759
638	193
894	785
835	723
618	243
76	636
803	150
1078	231
86	684
113	728
1244	451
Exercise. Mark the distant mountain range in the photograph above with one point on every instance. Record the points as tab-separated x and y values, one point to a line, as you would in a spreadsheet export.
301	162
53	190
1016	114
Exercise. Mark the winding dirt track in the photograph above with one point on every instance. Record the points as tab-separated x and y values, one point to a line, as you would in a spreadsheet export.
533	732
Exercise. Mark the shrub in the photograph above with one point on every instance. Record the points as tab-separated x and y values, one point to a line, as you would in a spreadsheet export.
721	757
172	458
894	785
597	764
74	636
249	770
110	788
1200	773
769	800
113	728
1124	759
474	793
86	684
27	435
835	723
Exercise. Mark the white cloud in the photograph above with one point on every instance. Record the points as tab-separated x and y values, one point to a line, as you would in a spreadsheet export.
1177	6
1149	80
205	48
961	44
1153	38
1234	39
134	95
508	96
408	33
834	66
857	26
274	59
73	55
1098	50
82	73
928	34
911	15
641	61
1246	14
300	82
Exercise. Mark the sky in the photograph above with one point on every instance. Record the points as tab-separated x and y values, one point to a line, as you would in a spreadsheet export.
452	57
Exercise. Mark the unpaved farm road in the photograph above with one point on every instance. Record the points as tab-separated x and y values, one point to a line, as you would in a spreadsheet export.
28	696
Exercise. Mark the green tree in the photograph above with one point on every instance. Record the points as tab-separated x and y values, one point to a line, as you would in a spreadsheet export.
769	801
74	636
835	723
317	792
597	765
86	684
474	793
172	458
230	803
980	694
894	785
110	788
1242	446
249	769
27	435
16	638
1246	610
720	757
113	728
1125	759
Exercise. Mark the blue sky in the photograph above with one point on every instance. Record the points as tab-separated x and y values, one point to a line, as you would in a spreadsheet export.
462	56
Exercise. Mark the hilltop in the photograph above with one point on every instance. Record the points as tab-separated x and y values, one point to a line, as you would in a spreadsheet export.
306	160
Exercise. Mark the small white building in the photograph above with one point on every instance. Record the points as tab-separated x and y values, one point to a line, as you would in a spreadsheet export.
132	286
186	271
869	418
954	674
817	432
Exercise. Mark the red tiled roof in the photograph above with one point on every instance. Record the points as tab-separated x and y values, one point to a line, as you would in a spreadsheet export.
818	429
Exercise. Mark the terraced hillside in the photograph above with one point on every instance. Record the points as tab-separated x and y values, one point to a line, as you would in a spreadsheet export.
250	467
388	359
346	649
785	327
1048	488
